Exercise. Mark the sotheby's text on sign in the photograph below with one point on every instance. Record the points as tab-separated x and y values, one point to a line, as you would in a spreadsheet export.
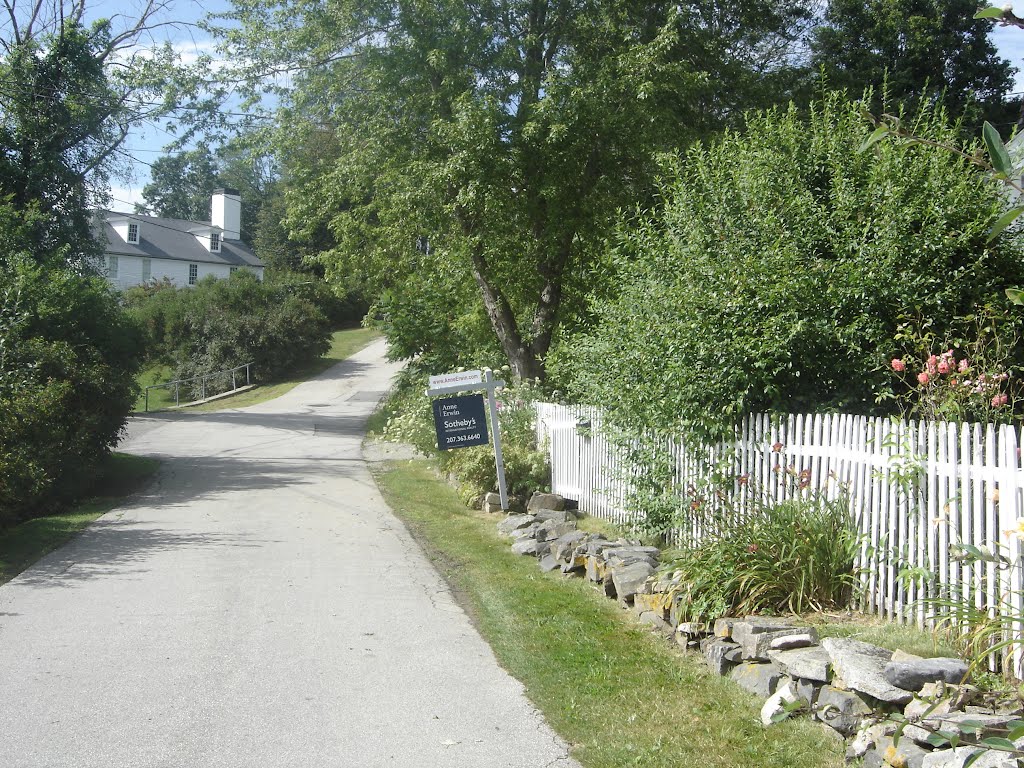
460	422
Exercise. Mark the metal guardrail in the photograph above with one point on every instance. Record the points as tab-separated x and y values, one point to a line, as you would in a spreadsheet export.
203	379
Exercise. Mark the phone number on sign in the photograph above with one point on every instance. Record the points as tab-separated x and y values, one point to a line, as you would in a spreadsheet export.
453	439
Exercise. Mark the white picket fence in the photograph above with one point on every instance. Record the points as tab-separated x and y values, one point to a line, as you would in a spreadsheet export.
915	489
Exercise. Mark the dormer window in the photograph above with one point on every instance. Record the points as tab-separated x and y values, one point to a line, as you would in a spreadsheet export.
133	233
215	242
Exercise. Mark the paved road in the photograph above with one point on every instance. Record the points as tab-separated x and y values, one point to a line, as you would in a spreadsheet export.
257	606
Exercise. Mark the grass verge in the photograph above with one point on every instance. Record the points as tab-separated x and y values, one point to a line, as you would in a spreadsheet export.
23	544
617	693
344	344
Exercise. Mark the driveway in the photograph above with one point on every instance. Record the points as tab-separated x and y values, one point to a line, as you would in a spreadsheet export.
258	605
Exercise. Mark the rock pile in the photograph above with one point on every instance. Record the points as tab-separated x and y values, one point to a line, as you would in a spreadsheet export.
858	690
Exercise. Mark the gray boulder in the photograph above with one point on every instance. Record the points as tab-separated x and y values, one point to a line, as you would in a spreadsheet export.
564	546
756	646
545	501
862	667
629	579
526	532
759	679
514	523
957	723
905	754
805	663
716	652
550	530
554	515
955	758
723	627
757	625
797	640
525	547
914	675
598	544
840	710
595	570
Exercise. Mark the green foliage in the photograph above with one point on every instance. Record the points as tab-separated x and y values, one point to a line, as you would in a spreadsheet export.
220	324
920	49
54	123
526	467
181	185
68	355
781	268
469	158
794	556
74	84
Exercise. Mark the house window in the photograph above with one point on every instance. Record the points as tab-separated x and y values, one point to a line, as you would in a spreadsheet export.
232	270
133	233
147	270
112	266
193	273
215	242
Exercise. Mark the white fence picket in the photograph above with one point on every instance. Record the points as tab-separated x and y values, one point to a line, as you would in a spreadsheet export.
960	484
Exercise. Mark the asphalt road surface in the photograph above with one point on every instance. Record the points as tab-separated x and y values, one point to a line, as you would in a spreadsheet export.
258	605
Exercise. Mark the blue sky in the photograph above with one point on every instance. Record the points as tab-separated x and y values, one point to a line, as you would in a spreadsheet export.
145	144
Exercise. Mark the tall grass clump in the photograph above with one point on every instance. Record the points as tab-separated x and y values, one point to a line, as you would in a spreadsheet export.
793	556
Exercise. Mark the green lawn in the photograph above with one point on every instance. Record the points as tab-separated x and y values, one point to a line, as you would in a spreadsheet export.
344	344
23	544
620	695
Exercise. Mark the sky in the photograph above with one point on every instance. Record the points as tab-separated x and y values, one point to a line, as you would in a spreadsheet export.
145	143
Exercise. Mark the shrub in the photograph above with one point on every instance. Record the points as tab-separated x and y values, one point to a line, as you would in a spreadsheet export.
797	556
68	358
778	273
221	324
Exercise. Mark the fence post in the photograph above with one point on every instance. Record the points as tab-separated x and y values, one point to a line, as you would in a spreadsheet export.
147	399
202	390
176	393
233	384
247	381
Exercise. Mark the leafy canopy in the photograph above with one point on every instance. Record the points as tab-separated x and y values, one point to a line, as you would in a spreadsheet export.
782	267
921	50
470	157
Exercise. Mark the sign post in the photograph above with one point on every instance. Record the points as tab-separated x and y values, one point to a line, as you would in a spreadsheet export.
459	421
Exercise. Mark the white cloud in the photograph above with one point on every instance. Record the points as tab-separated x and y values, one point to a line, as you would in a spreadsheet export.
123	199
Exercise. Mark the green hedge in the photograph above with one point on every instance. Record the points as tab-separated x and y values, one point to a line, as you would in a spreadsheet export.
783	268
68	359
220	324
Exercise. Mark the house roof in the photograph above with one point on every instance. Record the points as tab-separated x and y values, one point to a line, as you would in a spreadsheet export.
171	239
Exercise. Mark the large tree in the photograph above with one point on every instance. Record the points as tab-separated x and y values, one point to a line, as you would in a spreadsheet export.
474	155
920	49
71	91
181	184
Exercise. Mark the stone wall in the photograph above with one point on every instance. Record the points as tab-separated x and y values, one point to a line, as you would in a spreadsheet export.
894	709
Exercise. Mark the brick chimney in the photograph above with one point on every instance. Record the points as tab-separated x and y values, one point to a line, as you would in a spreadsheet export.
227	212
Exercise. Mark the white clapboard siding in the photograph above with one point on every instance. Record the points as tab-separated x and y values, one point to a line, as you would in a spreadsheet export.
916	490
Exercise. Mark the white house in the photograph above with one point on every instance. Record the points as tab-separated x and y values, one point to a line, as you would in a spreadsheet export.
140	249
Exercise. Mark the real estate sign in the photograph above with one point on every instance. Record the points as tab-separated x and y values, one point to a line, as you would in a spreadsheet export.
460	422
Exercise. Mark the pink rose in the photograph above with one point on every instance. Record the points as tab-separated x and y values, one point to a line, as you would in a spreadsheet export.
964	365
943	366
932	364
999	400
898	365
923	377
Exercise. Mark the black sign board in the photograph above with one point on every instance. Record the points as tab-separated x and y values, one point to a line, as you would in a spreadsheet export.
460	422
